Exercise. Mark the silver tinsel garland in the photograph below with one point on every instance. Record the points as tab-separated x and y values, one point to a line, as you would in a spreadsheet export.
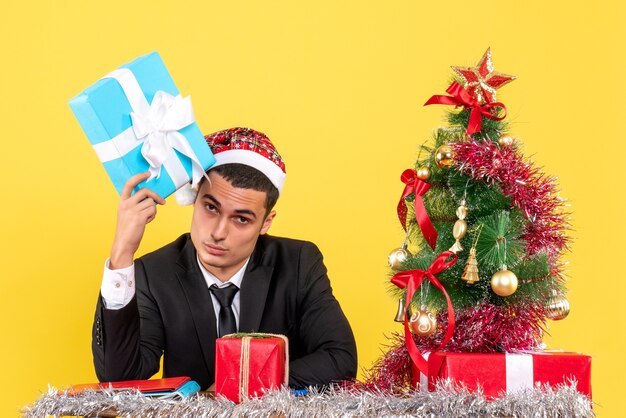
448	402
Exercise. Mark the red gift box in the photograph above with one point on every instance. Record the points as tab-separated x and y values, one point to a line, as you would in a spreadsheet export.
167	384
247	365
503	373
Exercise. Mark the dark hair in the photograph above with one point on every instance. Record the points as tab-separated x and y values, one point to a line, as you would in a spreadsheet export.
245	177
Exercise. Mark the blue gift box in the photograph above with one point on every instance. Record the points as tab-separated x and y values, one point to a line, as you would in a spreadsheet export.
104	113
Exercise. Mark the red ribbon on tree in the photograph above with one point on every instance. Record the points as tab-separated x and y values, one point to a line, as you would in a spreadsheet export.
419	187
460	97
411	280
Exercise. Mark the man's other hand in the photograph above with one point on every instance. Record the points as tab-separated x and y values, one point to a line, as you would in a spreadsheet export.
133	214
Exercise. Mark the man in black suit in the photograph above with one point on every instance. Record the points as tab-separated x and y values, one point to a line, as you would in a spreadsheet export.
227	275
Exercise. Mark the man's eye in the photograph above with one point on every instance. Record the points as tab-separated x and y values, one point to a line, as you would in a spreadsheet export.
243	220
210	207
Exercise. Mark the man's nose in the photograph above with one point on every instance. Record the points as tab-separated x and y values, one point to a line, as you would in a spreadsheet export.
220	231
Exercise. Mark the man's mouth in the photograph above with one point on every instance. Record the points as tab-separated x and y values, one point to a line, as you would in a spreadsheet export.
215	249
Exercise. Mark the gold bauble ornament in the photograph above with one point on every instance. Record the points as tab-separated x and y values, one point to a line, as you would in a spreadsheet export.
504	282
397	257
423	323
506	141
423	173
444	156
557	307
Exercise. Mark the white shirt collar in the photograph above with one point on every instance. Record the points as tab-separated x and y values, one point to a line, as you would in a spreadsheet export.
236	279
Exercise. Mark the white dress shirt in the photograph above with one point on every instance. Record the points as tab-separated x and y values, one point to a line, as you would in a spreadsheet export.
236	280
118	288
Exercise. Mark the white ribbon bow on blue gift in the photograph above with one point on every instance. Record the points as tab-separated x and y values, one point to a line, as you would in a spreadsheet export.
159	129
156	126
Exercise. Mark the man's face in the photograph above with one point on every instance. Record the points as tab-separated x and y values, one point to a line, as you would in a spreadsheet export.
226	224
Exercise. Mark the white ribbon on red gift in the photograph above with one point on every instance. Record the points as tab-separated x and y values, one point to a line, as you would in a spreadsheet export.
519	372
244	360
154	125
424	377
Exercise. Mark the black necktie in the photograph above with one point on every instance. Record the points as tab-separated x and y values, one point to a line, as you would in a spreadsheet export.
225	295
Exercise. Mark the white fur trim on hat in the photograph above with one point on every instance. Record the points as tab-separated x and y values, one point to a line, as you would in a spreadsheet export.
241	156
186	195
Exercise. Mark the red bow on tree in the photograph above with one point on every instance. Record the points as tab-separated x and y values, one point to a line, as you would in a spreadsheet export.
419	187
460	97
411	280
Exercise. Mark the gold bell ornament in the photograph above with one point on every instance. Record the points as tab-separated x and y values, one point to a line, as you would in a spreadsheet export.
400	314
444	156
397	257
557	307
460	228
423	323
504	282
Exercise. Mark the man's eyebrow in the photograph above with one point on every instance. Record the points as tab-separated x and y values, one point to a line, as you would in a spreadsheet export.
212	199
218	204
246	212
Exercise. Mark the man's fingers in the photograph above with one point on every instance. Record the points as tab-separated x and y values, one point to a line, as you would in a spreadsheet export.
157	198
149	213
144	193
147	203
132	182
146	210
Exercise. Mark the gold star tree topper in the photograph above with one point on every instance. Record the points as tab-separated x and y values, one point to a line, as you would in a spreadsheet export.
481	81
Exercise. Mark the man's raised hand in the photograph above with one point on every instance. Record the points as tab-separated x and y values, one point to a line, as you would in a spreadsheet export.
133	214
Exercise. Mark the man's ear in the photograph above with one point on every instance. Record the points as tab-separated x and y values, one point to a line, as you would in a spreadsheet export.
267	222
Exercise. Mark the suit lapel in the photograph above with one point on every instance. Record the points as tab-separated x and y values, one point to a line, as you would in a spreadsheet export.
199	301
254	287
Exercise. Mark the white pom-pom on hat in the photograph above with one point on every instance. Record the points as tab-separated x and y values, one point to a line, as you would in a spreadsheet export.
186	195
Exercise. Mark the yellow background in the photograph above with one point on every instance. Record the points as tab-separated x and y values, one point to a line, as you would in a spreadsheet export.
339	87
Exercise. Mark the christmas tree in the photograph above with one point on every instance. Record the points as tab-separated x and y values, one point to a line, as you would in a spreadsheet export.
480	269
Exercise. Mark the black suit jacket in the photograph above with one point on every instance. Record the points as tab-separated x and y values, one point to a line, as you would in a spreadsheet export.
285	290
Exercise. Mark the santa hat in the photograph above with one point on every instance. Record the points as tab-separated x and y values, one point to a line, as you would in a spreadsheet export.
241	146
